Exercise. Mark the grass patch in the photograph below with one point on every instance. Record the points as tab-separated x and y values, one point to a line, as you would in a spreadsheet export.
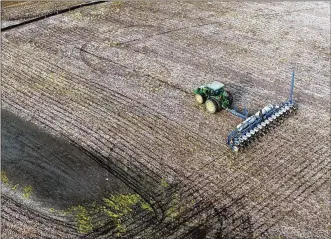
115	208
122	204
119	206
146	206
4	178
83	219
164	183
27	191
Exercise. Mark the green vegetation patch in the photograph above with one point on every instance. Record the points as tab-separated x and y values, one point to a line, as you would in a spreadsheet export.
4	178
119	206
164	183
83	219
122	204
115	208
27	191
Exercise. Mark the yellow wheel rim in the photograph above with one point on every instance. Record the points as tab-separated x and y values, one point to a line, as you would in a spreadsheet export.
199	99
210	106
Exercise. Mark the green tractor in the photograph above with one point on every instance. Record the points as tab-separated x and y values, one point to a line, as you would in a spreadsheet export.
214	95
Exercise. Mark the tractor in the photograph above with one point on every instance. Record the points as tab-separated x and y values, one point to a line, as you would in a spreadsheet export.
214	96
254	126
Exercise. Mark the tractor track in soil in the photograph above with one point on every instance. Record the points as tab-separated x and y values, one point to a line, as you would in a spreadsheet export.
140	136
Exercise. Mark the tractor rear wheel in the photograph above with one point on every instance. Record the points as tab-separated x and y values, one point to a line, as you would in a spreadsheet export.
230	98
200	98
211	106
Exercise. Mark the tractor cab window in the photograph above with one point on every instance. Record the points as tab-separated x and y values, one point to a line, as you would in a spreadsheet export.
217	92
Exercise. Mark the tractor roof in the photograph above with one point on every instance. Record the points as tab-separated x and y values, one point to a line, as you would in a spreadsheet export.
215	85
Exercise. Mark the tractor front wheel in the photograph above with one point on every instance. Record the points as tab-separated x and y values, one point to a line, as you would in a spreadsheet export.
200	98
211	106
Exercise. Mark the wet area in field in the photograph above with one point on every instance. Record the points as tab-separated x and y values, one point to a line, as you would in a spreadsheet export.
60	174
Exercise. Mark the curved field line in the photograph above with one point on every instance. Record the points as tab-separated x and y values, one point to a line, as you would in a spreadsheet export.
57	12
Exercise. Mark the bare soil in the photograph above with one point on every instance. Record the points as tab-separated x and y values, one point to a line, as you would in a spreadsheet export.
10	3
20	10
14	12
115	79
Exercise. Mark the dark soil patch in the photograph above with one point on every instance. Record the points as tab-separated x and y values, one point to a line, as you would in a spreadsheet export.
61	175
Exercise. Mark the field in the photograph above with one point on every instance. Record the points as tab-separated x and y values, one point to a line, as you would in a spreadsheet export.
98	102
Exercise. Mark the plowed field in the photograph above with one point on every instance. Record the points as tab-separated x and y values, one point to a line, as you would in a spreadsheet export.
113	83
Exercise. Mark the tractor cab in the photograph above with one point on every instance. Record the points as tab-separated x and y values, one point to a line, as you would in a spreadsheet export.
212	89
216	88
